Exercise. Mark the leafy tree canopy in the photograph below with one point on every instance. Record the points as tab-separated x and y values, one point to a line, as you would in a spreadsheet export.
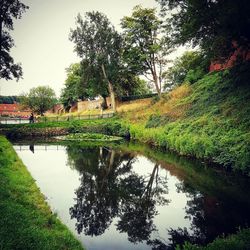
214	25
145	49
39	99
79	85
9	10
130	85
99	45
190	67
74	87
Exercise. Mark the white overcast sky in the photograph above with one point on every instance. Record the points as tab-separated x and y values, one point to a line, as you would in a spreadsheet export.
41	39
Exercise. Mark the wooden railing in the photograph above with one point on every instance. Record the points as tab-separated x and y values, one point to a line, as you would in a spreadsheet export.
73	117
7	120
11	120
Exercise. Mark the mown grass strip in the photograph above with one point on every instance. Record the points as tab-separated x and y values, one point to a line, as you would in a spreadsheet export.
26	219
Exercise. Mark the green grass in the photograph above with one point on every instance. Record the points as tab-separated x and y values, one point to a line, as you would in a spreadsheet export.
53	124
112	126
26	219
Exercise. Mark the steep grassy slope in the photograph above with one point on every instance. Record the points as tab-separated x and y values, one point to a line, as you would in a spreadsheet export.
209	119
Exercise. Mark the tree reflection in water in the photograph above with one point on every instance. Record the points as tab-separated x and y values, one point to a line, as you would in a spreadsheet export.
138	210
218	211
97	200
110	188
216	201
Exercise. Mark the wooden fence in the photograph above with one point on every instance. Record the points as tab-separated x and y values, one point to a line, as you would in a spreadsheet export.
7	120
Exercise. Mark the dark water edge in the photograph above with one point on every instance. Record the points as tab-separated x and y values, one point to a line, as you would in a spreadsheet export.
130	196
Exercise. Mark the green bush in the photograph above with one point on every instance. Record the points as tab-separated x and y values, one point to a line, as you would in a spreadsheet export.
154	121
155	99
74	127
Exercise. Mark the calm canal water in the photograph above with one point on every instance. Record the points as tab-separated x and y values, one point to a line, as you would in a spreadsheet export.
131	197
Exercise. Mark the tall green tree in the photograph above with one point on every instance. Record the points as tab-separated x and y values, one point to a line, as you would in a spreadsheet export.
70	94
39	99
190	67
94	82
9	10
214	25
75	86
130	84
79	85
99	44
145	49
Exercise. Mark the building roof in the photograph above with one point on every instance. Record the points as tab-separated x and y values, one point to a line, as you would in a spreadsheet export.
11	108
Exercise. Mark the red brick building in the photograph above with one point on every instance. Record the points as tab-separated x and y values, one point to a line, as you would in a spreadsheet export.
13	110
238	53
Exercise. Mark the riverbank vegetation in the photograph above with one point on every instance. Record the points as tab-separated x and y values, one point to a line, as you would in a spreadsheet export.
26	220
208	119
113	126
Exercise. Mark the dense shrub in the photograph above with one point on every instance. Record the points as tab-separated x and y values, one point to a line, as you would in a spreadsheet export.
154	121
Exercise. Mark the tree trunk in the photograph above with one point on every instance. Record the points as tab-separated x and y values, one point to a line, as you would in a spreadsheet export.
111	159
156	84
104	103
1	31
155	77
111	89
112	96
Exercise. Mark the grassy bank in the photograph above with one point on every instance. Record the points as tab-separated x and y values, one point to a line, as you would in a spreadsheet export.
26	220
112	126
208	120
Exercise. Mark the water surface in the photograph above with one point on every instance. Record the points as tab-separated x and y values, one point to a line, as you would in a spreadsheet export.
132	197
